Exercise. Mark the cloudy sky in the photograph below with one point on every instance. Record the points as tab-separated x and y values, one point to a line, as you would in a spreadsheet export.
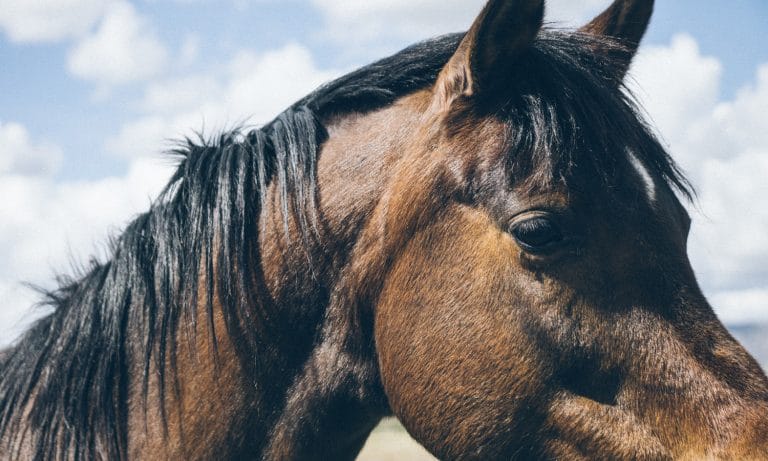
92	91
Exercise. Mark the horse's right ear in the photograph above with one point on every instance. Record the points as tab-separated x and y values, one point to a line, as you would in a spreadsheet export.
502	31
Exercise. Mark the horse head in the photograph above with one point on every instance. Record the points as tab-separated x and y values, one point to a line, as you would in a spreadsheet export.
537	300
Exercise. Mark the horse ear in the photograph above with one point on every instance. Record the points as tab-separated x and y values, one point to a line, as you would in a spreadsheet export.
625	21
503	30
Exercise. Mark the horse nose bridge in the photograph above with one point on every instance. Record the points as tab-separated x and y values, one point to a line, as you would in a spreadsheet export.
699	342
664	292
640	272
711	343
707	374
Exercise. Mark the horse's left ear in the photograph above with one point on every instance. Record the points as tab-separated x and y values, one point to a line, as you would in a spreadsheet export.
502	32
625	21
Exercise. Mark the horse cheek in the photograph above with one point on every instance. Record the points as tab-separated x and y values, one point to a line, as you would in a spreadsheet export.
457	366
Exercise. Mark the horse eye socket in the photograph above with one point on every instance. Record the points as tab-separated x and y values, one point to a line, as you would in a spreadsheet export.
537	234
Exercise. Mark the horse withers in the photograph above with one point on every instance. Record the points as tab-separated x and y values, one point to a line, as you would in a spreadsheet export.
479	235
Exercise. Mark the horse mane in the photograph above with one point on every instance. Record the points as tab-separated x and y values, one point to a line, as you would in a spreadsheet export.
73	364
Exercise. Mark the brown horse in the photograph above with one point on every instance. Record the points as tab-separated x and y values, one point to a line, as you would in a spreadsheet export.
479	235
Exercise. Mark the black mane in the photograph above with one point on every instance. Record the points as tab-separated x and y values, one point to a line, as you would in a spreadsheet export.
74	362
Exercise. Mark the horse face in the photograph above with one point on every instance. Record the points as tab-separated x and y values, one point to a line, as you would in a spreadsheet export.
548	308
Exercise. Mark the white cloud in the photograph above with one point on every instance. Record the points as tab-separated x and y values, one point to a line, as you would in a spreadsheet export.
19	156
574	14
680	89
254	89
18	310
734	235
262	85
744	119
372	20
190	49
739	307
47	224
123	49
723	146
49	20
181	95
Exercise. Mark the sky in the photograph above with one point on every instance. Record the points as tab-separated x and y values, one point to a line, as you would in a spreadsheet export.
93	91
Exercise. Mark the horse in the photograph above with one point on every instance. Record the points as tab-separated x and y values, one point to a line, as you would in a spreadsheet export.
479	235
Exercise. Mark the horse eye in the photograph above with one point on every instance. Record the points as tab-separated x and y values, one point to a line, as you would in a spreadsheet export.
537	235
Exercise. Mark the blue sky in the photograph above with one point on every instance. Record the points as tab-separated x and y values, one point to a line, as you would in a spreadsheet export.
92	90
56	106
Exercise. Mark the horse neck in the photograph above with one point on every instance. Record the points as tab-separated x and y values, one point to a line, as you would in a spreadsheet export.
204	394
256	389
